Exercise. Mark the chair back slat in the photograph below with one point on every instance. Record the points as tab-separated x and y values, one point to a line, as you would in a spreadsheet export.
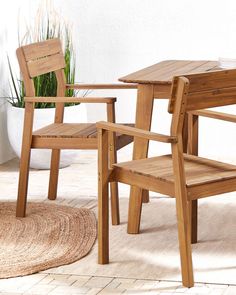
41	58
46	65
41	49
211	99
207	90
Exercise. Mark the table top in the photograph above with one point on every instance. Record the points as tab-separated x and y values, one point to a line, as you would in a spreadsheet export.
163	72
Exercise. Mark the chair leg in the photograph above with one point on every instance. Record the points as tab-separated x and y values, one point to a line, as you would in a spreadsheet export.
183	220
115	211
135	209
145	196
103	224
103	198
25	160
194	221
54	173
23	182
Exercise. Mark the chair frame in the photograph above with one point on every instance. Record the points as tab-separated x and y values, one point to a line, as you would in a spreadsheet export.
189	94
53	61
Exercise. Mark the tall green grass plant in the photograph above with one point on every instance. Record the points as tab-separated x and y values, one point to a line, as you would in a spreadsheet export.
48	25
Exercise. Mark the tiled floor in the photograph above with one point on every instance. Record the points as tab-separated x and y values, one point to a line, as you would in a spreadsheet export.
48	283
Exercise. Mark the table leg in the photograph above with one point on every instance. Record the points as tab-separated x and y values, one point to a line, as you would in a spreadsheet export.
143	120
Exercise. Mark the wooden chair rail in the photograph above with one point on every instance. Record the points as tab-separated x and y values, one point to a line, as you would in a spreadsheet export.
136	132
72	99
101	86
215	115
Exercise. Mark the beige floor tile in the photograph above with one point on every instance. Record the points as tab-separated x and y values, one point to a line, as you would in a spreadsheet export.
69	290
199	289
98	282
108	291
167	286
40	289
80	282
94	291
20	284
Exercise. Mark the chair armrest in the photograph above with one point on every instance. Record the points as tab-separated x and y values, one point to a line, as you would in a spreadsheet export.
215	115
71	99
102	86
136	132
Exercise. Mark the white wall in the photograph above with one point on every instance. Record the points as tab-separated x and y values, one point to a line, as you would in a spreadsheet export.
114	38
8	43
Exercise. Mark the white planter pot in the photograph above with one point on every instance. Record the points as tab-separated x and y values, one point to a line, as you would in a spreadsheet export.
40	159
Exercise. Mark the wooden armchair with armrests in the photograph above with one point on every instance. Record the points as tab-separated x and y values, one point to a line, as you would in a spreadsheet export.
41	58
182	176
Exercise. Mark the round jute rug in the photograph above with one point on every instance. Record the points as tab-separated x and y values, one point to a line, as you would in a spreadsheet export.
49	236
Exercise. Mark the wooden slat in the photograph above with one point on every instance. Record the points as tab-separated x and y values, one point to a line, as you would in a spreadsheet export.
198	170
207	90
181	68
141	73
101	86
71	99
64	143
163	72
212	80
211	99
64	130
85	131
42	49
215	115
142	181
46	65
136	132
210	189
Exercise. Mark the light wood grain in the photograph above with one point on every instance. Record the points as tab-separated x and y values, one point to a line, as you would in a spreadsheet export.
101	86
71	99
112	160
41	58
41	49
215	115
46	64
25	160
187	177
143	119
103	204
193	150
55	156
163	72
136	132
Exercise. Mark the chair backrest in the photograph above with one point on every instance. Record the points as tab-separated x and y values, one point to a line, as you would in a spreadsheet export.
200	91
207	90
41	58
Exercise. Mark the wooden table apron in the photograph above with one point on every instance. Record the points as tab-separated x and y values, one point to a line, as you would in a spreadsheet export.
154	82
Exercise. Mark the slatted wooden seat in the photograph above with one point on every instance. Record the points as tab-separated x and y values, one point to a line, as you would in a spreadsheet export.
185	177
70	131
45	57
198	171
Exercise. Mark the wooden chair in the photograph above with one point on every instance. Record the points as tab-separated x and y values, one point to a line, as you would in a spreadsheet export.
41	58
180	175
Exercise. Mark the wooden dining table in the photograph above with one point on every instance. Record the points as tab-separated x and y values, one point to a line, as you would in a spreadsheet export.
154	82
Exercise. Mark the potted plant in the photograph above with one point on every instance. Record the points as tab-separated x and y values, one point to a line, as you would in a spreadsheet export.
48	25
